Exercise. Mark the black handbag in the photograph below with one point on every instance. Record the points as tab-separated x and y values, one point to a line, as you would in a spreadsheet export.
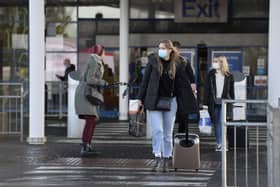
164	103
93	96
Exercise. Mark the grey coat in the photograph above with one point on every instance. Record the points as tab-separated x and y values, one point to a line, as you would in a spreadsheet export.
92	74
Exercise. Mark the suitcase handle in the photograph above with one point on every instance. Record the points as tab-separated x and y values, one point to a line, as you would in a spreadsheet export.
185	143
187	130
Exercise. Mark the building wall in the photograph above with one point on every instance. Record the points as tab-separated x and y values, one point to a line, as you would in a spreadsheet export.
223	40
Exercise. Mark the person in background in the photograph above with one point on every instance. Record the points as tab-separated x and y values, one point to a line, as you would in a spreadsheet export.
164	76
183	114
92	75
219	85
68	68
135	75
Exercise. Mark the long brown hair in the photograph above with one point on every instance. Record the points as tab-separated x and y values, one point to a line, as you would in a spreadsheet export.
174	55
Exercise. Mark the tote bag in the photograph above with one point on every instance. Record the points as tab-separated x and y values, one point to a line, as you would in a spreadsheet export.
205	122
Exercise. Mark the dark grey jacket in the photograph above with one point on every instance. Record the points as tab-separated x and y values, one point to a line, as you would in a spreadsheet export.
149	87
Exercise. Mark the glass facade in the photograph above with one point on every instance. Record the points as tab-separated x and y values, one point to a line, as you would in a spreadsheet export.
72	26
147	9
61	39
14	43
98	12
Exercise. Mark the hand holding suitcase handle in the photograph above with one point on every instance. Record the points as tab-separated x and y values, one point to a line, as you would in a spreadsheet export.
116	84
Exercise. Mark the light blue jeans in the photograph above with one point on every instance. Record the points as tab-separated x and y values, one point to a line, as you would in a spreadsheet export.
162	124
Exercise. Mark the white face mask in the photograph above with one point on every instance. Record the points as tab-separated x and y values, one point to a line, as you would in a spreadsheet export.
215	65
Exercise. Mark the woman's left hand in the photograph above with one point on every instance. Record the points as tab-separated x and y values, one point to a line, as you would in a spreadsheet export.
193	88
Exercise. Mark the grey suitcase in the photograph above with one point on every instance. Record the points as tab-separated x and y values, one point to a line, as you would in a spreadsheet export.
186	155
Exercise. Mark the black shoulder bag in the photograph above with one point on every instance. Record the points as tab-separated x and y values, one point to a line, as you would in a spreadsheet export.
93	95
164	103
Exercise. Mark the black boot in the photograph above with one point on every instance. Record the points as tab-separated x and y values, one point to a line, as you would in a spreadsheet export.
165	165
156	164
91	150
84	149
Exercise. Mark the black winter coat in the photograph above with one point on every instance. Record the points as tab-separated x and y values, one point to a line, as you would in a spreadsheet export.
189	72
149	87
186	101
210	91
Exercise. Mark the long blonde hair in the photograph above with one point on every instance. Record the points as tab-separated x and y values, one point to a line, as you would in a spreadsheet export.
173	59
224	65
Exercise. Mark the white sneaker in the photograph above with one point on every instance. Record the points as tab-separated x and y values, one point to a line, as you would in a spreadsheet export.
218	147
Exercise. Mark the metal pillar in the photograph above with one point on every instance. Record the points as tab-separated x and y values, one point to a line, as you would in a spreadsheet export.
124	23
36	71
273	142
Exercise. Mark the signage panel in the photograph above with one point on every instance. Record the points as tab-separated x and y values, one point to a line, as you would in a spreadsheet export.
201	11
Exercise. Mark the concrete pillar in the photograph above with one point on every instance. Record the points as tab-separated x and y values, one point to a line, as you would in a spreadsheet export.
124	25
273	144
36	72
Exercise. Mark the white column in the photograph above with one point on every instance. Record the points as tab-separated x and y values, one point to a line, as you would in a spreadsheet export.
273	54
36	71
273	133
124	23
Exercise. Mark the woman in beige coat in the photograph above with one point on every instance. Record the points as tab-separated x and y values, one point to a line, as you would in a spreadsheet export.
92	75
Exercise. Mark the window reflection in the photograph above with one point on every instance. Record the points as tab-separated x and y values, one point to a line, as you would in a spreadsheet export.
54	64
61	14
152	9
61	37
99	12
14	43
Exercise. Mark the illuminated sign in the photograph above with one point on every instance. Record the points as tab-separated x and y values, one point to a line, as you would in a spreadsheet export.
201	11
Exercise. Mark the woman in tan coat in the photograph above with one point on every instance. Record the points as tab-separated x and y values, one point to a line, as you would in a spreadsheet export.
92	75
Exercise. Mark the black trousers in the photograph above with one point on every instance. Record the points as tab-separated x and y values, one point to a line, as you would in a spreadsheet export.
183	120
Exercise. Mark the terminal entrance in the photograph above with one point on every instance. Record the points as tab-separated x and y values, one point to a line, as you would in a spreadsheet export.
71	28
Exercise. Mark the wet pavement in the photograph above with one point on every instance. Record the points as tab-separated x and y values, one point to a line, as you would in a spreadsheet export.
123	161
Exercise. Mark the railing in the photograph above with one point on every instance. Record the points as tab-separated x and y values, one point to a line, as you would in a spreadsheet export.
235	124
11	104
56	99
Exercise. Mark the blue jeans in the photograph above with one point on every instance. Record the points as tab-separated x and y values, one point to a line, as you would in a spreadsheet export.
162	124
218	124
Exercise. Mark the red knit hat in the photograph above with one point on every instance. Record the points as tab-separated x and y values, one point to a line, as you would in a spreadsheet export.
97	49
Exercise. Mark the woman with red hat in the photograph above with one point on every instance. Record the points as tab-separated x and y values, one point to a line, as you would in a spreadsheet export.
91	76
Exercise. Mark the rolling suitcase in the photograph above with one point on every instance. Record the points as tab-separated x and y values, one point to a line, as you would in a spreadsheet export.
186	153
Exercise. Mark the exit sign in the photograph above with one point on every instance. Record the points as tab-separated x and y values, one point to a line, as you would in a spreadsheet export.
201	11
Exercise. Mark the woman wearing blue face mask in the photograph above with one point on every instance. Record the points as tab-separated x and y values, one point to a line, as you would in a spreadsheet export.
219	85
163	78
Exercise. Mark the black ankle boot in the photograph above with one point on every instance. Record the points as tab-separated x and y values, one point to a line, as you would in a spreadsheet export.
91	150
156	165
165	165
84	149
